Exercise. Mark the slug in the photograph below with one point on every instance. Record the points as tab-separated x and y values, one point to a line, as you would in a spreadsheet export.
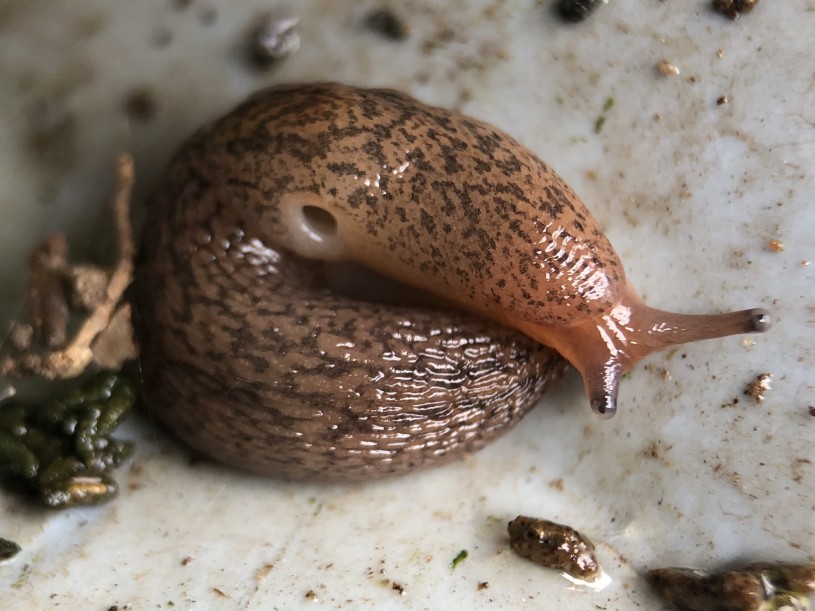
339	283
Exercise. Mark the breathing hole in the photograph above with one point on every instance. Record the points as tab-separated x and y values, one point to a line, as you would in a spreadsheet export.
320	222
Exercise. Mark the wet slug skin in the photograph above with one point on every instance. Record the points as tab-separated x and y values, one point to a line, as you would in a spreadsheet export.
255	353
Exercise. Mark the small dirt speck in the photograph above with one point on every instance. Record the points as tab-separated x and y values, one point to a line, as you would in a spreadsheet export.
758	387
162	37
208	16
483	585
441	38
385	22
601	119
574	11
733	8
655	450
775	245
311	595
141	104
460	557
722	100
52	135
87	27
273	37
666	68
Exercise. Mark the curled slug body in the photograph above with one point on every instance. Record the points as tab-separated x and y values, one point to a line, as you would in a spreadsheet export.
255	353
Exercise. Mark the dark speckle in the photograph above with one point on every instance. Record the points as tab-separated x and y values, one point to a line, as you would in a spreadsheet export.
208	16
387	23
87	27
398	587
733	8
510	166
8	549
428	222
162	37
141	104
52	135
574	11
345	169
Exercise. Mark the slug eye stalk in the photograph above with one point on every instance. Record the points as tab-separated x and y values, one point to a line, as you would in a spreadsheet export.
604	349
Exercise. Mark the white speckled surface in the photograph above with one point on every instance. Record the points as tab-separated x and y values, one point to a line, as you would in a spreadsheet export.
690	193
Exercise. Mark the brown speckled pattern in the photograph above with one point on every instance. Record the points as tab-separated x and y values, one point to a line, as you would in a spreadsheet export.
249	359
474	215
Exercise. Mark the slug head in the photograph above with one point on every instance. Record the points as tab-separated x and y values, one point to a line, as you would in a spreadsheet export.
604	348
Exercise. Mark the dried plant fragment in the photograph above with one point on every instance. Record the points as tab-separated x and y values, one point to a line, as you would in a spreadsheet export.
58	289
460	557
48	309
758	387
88	285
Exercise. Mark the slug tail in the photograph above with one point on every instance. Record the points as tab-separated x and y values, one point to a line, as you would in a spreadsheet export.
606	347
